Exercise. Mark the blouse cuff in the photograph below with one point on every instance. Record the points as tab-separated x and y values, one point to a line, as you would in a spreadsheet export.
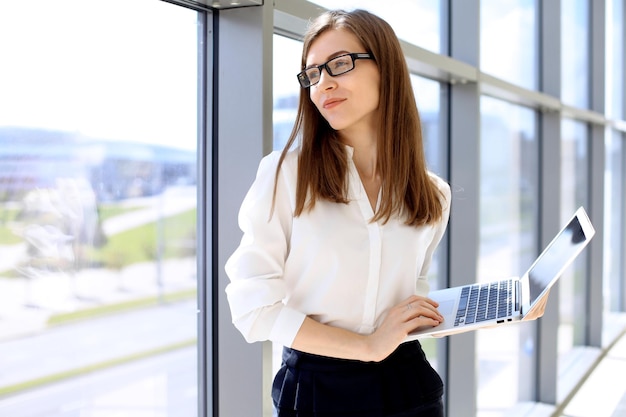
286	327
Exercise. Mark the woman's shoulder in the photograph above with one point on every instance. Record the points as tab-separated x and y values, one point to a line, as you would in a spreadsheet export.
291	157
445	194
444	188
439	182
290	163
269	164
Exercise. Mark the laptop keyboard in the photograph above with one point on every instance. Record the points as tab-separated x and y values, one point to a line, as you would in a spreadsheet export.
480	302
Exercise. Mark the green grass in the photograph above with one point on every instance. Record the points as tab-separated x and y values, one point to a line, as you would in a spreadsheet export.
139	244
176	234
7	237
106	211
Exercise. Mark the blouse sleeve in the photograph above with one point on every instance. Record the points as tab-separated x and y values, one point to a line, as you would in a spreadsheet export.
422	281
256	290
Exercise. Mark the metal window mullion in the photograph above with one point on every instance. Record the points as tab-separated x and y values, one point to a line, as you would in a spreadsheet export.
464	233
622	231
204	213
238	365
546	359
620	125
595	300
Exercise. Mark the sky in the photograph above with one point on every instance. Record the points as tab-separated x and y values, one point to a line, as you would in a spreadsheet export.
118	70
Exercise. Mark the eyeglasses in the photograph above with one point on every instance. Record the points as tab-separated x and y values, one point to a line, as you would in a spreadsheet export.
336	66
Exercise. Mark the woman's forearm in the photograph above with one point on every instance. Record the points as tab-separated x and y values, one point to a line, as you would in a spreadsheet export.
325	340
322	339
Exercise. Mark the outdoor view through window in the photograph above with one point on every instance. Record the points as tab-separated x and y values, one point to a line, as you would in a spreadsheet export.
98	150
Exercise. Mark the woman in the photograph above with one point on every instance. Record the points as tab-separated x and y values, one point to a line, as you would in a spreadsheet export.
339	234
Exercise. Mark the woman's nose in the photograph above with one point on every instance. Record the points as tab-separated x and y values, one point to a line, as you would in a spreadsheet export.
326	80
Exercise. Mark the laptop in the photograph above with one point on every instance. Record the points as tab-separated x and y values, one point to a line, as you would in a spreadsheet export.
474	306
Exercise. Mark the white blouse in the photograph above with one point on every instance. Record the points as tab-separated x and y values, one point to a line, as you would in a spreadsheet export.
330	263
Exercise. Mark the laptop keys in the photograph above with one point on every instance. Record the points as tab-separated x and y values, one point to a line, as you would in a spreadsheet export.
480	302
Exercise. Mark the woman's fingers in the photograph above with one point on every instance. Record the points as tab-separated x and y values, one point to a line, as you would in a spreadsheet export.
421	307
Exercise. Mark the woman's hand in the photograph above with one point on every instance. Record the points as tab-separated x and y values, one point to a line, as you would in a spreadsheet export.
416	311
538	309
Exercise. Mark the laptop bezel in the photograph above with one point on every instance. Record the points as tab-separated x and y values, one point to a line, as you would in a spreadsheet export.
588	231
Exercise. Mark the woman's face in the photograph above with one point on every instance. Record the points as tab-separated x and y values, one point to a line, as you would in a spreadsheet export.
348	101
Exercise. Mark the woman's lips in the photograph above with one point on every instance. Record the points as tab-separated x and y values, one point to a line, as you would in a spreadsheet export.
332	102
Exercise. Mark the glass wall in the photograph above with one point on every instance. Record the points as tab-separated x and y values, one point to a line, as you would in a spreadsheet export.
98	184
508	40
508	243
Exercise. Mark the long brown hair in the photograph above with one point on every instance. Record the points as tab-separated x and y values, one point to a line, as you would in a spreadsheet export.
407	189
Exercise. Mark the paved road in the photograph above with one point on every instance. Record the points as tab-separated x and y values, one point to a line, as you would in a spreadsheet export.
96	341
159	386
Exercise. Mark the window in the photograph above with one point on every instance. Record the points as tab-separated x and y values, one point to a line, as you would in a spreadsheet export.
614	224
430	98
508	40
572	284
98	177
419	22
287	55
615	59
575	64
508	235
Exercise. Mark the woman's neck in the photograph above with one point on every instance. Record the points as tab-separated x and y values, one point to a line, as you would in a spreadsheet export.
364	158
364	155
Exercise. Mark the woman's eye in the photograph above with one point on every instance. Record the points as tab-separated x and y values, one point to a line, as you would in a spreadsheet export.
340	64
313	75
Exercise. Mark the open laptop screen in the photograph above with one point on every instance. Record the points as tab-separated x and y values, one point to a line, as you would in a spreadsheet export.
562	250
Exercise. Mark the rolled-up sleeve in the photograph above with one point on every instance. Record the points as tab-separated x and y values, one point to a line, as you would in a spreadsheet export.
257	290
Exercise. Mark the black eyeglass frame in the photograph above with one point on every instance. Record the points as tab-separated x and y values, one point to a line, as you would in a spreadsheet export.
305	81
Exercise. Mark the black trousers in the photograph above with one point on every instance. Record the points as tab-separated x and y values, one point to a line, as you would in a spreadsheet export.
403	385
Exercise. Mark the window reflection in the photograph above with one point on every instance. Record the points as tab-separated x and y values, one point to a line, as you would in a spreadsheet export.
508	40
508	235
419	22
98	207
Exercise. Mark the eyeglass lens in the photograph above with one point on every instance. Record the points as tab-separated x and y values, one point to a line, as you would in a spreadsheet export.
335	66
